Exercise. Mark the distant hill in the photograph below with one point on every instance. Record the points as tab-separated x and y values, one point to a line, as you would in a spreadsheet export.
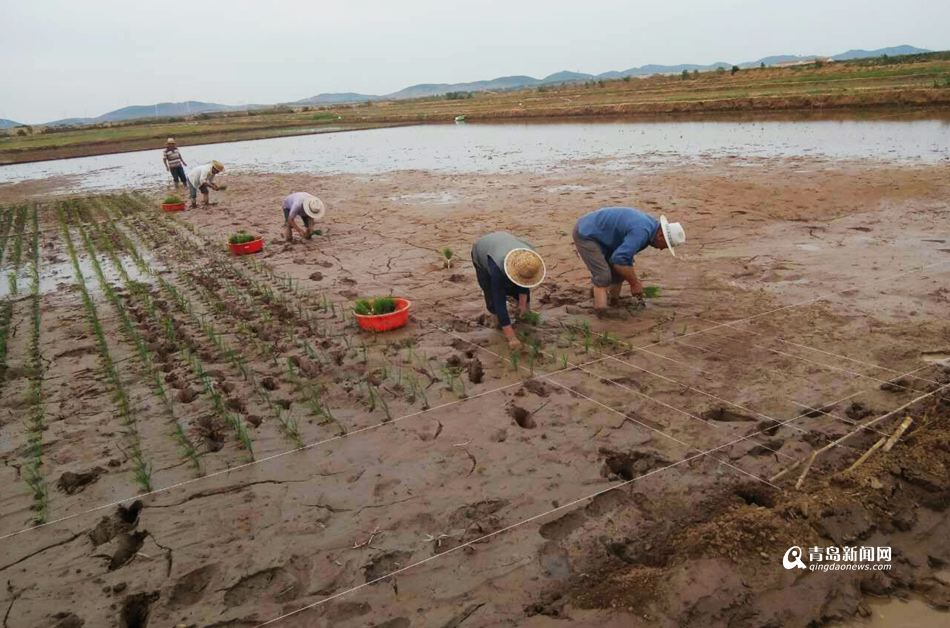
163	109
8	124
890	52
502	83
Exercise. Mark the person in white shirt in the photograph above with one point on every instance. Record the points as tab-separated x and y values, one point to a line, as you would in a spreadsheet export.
201	178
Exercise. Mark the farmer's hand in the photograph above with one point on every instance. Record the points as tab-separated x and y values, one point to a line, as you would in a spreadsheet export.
636	288
513	343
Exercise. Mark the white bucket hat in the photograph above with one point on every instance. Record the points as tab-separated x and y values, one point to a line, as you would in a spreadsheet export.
673	233
314	208
524	268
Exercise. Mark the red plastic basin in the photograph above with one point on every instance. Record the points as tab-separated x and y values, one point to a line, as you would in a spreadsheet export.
386	322
245	248
173	207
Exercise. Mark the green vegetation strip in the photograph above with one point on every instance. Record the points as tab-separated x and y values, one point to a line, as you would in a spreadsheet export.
32	471
132	334
142	470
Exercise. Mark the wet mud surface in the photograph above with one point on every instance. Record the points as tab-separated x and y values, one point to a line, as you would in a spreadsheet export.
271	458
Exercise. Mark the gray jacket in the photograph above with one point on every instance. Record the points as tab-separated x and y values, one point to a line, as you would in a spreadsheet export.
496	246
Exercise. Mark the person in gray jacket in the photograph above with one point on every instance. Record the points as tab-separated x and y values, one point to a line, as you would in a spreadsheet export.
506	266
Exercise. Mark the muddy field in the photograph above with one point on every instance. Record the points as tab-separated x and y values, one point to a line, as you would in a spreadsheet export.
194	439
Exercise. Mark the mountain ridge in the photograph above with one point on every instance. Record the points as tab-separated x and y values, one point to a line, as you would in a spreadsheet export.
423	90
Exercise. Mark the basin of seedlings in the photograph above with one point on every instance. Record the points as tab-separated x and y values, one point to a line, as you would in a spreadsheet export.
173	204
243	243
382	313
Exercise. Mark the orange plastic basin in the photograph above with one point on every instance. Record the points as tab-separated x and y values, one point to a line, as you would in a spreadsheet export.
173	207
386	322
245	248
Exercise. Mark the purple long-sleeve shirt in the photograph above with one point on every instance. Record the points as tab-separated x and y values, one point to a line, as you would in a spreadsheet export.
293	204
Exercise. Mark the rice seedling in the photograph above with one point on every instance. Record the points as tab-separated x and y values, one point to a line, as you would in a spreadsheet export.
448	257
126	416
531	318
32	472
514	357
131	332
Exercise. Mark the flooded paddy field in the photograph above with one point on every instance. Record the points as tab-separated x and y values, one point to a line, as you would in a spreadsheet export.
196	439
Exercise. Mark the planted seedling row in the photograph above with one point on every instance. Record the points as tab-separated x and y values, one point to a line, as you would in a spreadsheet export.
141	468
176	335
133	335
33	469
17	251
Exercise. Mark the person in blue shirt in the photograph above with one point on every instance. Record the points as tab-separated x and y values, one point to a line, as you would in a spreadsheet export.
608	240
506	266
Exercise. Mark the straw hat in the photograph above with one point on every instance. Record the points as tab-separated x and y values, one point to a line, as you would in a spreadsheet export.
170	140
673	233
217	165
314	208
524	268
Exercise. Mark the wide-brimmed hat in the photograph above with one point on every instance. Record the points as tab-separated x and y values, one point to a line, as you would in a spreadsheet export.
524	268
673	233
170	140
314	207
217	165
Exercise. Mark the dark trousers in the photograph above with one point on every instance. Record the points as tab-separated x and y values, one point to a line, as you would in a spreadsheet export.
178	175
484	282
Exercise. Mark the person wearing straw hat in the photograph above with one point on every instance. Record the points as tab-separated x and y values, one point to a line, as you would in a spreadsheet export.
174	162
506	266
201	178
305	206
607	241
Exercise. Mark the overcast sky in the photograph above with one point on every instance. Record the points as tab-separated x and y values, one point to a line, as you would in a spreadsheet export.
71	58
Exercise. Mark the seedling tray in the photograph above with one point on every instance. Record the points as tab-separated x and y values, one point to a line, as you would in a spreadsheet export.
173	207
386	322
246	248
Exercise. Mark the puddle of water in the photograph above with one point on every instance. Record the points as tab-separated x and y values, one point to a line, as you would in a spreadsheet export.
434	198
912	613
505	147
809	247
59	275
936	357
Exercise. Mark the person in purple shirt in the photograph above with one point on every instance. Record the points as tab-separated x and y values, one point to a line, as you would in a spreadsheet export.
305	206
608	239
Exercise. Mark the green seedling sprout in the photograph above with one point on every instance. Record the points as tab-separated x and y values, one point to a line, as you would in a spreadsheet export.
448	256
651	292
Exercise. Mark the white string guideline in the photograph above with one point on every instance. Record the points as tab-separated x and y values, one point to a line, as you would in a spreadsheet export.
570	504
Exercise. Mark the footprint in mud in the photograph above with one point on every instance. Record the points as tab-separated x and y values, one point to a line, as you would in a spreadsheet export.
476	372
385	564
128	545
522	417
135	610
537	387
278	583
124	519
72	483
726	415
562	526
630	465
554	561
190	588
857	411
755	494
270	383
187	394
768	447
235	405
317	276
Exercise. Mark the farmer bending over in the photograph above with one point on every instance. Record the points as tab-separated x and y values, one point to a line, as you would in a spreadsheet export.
506	266
201	178
305	206
609	238
174	162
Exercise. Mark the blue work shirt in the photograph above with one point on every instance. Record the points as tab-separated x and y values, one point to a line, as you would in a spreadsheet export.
622	232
